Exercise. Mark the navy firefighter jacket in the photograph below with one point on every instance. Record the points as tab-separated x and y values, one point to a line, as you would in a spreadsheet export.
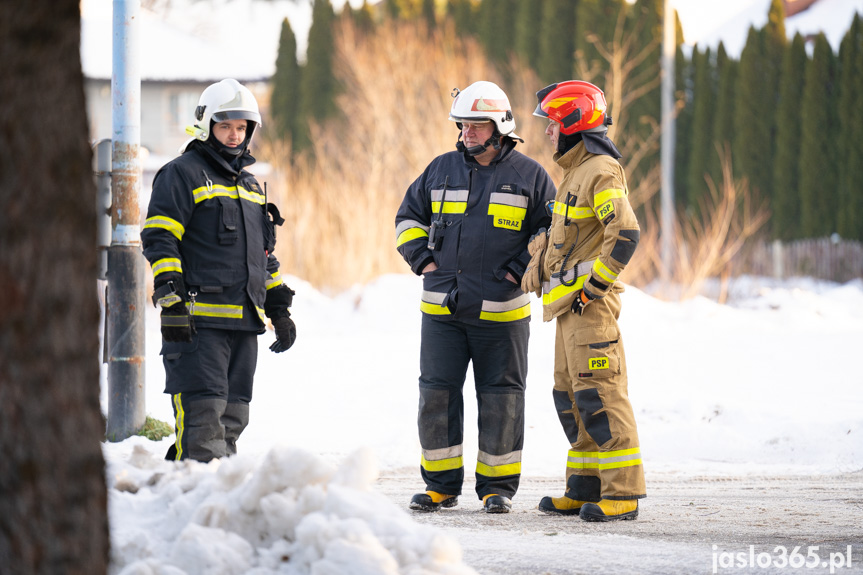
207	223
481	219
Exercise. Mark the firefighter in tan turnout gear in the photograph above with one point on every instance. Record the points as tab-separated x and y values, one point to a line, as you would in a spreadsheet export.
592	237
464	225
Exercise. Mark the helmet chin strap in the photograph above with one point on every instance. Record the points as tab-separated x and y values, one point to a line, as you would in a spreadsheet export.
494	141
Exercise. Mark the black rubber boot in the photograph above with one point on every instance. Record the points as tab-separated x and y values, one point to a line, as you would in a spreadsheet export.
496	504
427	501
610	510
560	505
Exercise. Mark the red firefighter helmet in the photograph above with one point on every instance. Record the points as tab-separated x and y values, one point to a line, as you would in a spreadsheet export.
577	106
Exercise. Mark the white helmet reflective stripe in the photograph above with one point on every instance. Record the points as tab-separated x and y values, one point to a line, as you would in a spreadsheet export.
225	100
484	101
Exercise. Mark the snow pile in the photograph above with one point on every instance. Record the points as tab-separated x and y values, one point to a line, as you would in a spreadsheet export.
289	512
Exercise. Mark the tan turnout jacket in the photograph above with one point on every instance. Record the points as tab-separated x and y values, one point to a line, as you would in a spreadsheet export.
593	230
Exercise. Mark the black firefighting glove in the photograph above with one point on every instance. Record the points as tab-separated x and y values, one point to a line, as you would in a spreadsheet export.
286	333
582	298
177	325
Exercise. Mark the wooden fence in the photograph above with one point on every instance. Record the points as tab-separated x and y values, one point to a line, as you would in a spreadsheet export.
824	258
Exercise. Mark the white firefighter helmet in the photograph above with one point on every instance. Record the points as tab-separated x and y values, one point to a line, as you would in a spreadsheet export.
484	101
225	100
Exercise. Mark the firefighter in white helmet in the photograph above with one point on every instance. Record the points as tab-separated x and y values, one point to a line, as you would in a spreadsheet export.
464	225
593	236
209	237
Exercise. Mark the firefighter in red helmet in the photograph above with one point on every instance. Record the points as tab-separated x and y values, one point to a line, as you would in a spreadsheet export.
592	237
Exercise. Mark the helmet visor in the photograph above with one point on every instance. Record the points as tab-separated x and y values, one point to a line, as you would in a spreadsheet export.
470	122
540	112
236	115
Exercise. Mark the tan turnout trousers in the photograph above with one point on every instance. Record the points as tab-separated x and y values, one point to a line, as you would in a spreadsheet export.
592	402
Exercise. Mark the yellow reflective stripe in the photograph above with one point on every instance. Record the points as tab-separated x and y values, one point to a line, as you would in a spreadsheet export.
181	424
450	207
261	315
604	459
447	464
575	213
206	193
512	315
166	223
618	464
167	265
561	291
275	280
508	212
511	310
582	465
604	272
411	234
218	310
251	196
555	288
498	470
434	308
609	194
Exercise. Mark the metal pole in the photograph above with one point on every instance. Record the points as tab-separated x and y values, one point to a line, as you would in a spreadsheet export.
102	169
667	144
125	261
103	149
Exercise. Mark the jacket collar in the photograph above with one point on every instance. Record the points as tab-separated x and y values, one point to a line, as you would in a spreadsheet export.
232	169
573	157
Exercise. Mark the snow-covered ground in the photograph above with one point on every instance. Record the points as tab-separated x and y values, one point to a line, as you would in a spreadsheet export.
769	384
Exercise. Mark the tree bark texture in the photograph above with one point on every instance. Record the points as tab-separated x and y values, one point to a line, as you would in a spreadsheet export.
53	498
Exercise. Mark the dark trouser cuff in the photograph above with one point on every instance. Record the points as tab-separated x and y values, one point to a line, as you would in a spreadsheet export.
584	488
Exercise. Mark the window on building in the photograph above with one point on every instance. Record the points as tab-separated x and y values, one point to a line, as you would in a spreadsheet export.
182	105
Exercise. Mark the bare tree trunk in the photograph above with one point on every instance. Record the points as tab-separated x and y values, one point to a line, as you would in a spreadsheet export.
53	498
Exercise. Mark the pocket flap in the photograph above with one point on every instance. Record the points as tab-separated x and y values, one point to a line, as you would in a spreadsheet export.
599	333
174	349
210	278
601	359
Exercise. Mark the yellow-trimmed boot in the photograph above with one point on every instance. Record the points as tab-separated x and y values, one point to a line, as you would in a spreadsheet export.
560	505
494	503
610	510
432	501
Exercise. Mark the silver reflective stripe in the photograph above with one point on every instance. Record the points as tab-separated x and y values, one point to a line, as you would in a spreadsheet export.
506	459
569	276
408	224
515	200
619	458
451	195
218	310
433	297
499	306
444	453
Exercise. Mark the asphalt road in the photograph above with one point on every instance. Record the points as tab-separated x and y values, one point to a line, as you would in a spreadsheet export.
745	524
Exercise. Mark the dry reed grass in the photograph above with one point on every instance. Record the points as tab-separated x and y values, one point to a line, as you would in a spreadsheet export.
706	243
340	198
